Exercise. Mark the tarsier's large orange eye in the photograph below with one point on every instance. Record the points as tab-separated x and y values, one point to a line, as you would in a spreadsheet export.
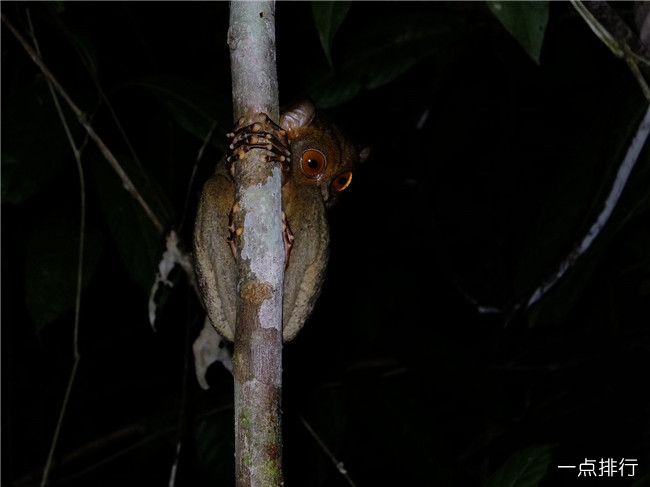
342	181
313	163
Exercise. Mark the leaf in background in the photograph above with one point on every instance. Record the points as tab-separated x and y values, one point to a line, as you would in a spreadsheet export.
54	16
635	258
85	48
573	204
209	348
34	145
215	449
526	22
58	6
328	17
641	481
51	266
137	240
193	106
526	468
383	51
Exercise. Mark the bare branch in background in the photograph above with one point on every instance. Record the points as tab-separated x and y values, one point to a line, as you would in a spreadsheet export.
81	117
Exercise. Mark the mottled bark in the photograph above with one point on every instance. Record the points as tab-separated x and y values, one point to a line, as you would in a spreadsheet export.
257	358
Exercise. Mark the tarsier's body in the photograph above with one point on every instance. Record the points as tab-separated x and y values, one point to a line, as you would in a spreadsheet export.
318	168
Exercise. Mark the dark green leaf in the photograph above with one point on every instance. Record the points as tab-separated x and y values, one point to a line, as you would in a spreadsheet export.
51	266
526	22
641	482
58	7
34	145
383	51
637	257
215	449
526	468
85	48
193	106
136	238
328	17
54	16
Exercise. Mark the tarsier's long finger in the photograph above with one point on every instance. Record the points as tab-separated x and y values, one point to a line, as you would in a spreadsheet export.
258	136
287	237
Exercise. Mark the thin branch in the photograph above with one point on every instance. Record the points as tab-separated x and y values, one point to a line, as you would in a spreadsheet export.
199	156
630	60
622	176
100	446
80	262
104	98
184	430
55	87
617	36
108	155
339	465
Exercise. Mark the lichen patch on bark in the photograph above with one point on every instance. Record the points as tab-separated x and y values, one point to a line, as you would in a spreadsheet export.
256	292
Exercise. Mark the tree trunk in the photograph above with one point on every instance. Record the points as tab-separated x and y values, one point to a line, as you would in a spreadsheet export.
257	359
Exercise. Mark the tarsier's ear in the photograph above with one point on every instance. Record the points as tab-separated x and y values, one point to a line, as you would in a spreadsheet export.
298	115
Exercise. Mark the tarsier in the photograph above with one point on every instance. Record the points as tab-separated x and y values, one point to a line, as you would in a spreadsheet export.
317	163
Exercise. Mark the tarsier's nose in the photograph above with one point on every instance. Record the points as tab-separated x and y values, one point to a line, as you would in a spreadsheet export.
325	190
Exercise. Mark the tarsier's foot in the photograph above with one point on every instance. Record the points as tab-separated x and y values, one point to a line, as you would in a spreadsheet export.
287	236
232	231
259	135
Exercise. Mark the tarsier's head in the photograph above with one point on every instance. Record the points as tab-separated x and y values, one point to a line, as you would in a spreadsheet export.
320	155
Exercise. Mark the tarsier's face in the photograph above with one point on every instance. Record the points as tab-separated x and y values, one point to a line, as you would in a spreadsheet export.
320	155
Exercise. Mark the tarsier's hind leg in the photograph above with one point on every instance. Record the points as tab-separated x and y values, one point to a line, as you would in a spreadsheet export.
213	258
